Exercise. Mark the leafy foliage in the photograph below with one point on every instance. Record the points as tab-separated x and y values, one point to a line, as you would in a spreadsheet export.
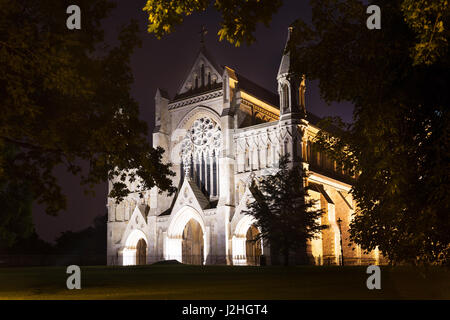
284	214
87	245
91	240
399	139
32	245
66	101
16	221
239	17
430	21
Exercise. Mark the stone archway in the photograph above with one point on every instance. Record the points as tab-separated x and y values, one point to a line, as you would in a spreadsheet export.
200	111
192	244
141	252
245	250
136	247
187	223
253	248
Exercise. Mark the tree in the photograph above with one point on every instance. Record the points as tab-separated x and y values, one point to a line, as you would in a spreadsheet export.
30	245
65	98
239	17
398	79
428	19
89	241
16	220
399	139
283	212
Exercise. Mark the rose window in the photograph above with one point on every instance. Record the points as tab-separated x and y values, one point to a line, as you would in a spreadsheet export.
200	154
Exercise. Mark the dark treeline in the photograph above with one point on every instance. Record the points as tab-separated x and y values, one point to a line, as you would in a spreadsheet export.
84	247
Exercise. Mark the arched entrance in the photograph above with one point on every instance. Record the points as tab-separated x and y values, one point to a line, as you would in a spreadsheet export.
186	239
192	244
135	251
253	246
141	252
246	248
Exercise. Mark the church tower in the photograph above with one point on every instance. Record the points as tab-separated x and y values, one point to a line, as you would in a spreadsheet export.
291	87
293	123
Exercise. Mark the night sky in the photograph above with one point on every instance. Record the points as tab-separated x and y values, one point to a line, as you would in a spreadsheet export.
164	63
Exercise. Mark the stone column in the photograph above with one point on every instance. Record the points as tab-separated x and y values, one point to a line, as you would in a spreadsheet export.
152	255
225	206
161	138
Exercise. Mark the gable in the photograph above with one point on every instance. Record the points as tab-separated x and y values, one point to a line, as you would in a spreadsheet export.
203	73
191	195
242	205
137	221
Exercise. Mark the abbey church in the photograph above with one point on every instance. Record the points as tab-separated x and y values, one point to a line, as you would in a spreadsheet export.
220	132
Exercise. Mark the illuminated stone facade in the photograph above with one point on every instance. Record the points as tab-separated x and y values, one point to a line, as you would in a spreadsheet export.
220	131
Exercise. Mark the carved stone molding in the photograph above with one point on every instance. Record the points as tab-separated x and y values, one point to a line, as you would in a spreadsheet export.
200	98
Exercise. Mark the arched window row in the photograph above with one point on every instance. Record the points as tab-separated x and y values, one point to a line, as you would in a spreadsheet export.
250	159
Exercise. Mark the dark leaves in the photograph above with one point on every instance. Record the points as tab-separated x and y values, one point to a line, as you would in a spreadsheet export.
285	215
65	103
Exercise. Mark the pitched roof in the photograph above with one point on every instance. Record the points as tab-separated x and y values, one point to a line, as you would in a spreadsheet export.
211	59
257	91
201	198
202	53
244	83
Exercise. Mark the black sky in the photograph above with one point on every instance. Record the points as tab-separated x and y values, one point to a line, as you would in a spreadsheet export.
164	63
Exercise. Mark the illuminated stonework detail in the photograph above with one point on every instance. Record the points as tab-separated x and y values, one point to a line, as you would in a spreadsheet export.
199	154
229	135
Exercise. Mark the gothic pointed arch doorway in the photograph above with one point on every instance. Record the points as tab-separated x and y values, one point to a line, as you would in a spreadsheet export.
253	248
247	248
187	237
141	252
192	244
135	250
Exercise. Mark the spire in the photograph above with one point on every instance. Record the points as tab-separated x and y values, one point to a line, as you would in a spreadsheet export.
285	60
291	87
161	93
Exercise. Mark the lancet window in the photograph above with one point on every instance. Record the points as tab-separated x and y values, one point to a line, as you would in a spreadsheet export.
200	155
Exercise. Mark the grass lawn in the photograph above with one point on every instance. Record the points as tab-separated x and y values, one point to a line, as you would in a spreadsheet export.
223	282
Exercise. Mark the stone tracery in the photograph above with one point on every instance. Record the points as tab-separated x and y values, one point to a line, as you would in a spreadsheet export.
199	154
